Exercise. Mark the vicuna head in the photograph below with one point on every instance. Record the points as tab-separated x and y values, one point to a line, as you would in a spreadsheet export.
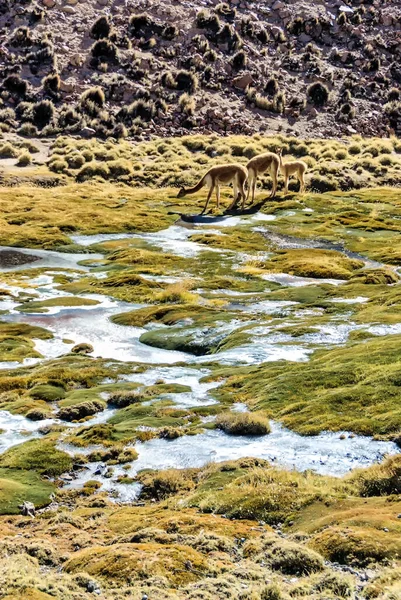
181	193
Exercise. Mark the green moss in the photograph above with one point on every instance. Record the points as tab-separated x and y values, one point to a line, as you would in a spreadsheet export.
16	341
47	392
40	456
321	264
337	389
42	305
18	486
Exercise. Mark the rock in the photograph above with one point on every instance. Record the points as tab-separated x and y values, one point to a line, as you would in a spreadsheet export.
49	3
242	81
72	2
27	509
67	86
69	10
82	349
87	132
76	59
103	2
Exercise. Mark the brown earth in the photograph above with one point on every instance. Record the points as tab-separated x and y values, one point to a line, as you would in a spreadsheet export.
353	47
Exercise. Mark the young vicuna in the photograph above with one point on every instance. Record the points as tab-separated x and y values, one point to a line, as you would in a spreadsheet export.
294	167
216	176
260	164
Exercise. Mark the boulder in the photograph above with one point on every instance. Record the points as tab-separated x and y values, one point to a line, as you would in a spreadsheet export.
242	81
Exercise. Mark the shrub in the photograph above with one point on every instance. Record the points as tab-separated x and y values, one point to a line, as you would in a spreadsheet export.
95	95
75	160
43	113
144	26
239	60
394	94
58	166
337	583
143	109
346	113
69	118
243	423
185	80
271	592
318	94
101	28
355	149
187	104
15	85
8	151
226	11
119	168
7	115
105	51
119	132
24	159
28	130
323	184
93	169
271	87
207	20
51	83
392	111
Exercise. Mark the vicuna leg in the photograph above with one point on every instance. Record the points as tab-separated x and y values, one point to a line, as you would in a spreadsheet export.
301	178
242	192
235	189
208	198
274	179
286	183
218	195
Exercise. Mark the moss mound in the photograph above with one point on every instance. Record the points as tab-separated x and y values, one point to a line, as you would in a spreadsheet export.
135	561
375	277
47	392
80	411
243	424
18	486
338	389
40	456
320	264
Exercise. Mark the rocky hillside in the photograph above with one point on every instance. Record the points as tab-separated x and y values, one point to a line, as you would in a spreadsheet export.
143	68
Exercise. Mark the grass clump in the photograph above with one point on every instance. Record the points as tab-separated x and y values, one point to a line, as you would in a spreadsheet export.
250	424
40	456
321	264
162	484
284	556
77	412
47	392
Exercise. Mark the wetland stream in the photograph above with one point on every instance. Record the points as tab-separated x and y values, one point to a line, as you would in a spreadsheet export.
260	324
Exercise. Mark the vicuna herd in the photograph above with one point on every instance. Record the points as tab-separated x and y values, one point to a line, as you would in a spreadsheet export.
239	175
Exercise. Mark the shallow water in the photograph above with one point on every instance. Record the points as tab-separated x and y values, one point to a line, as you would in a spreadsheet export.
325	453
50	258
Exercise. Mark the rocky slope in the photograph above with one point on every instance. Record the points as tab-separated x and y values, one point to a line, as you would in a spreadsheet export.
166	68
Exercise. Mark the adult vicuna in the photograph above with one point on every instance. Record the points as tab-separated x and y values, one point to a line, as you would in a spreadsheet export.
257	166
217	176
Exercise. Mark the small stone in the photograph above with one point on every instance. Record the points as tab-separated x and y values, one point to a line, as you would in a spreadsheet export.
49	3
82	349
385	529
27	509
399	516
69	10
87	132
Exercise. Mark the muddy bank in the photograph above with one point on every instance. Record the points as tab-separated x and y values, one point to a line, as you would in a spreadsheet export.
15	258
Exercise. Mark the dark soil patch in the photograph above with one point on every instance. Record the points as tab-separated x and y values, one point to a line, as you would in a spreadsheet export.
13	258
